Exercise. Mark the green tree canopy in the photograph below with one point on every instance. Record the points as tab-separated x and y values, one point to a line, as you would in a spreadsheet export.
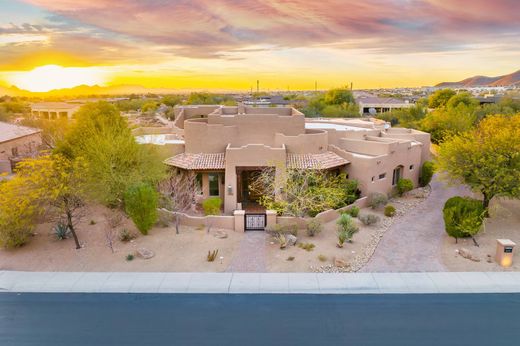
114	159
440	98
487	158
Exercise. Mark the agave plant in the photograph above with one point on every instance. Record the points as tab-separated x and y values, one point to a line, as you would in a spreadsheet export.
61	231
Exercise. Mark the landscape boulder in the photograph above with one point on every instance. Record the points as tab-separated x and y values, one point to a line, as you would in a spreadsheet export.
145	253
468	254
340	263
220	235
291	240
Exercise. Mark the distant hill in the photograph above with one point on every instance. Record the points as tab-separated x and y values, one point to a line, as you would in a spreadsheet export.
505	80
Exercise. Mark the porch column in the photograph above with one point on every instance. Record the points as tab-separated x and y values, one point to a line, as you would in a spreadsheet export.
239	220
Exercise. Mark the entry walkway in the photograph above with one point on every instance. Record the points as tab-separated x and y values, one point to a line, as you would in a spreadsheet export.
250	257
308	283
414	242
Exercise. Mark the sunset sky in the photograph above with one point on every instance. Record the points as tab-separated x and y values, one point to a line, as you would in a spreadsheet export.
229	44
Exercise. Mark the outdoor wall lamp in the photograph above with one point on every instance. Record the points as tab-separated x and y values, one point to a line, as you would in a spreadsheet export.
230	190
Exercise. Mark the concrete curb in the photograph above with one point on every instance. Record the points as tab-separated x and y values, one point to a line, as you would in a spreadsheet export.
306	283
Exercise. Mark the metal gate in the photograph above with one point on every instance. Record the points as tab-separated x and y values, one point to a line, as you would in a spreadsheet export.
255	222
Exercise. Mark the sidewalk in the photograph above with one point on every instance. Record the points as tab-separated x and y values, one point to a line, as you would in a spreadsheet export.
310	283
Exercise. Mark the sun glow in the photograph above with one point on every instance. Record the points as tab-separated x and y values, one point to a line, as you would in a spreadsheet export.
50	77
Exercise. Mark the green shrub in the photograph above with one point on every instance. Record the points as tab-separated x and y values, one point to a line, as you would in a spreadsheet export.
61	231
306	246
125	235
129	257
463	217
353	211
322	258
211	206
389	210
403	186
426	174
346	229
368	219
141	205
314	227
377	200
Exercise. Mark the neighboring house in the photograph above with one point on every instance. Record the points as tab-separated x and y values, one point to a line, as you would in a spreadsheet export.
16	143
371	105
227	146
54	110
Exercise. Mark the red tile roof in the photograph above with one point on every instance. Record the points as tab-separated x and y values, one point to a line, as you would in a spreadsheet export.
202	161
325	160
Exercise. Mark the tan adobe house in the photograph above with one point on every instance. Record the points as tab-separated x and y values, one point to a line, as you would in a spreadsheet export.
54	110
16	143
227	145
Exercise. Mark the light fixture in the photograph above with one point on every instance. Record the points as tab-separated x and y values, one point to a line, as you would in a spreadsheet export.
230	190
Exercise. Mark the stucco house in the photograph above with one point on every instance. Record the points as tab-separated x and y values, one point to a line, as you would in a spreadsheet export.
16	143
54	110
226	145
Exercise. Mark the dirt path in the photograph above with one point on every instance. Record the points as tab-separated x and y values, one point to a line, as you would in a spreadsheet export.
414	243
250	257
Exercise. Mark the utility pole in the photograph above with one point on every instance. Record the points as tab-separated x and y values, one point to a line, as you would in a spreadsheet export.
351	86
257	85
316	86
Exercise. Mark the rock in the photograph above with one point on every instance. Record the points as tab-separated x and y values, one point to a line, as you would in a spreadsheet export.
340	263
290	239
468	255
145	253
221	234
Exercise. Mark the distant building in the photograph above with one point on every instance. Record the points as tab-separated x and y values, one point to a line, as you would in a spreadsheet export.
371	105
16	143
54	110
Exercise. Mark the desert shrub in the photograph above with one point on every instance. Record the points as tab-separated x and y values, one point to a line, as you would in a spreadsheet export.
281	239
92	222
426	174
378	200
288	228
322	258
291	228
463	216
211	206
314	227
129	257
126	235
353	211
290	258
306	246
368	219
346	229
212	255
61	231
141	205
389	210
403	186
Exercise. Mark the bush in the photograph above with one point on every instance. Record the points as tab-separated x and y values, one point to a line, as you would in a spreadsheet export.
125	235
378	200
314	227
404	185
277	229
61	231
211	206
306	246
426	174
141	205
369	219
463	217
346	229
353	211
389	210
129	257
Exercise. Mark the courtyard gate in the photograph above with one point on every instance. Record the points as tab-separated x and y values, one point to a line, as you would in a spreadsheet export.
255	222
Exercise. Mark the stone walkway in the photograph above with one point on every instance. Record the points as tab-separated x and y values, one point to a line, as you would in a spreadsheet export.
414	243
250	257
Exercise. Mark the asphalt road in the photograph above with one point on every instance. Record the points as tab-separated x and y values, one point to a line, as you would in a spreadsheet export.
155	319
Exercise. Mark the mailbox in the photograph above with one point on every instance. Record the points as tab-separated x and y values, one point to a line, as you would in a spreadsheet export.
505	250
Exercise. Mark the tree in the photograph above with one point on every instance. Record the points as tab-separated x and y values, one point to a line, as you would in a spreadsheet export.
141	205
301	192
445	122
149	107
339	96
179	189
114	159
171	100
463	217
440	98
487	158
53	131
464	98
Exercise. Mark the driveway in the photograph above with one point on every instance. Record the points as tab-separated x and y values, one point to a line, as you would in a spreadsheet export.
414	242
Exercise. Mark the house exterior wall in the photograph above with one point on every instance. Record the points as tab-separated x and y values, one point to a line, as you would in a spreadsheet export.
24	146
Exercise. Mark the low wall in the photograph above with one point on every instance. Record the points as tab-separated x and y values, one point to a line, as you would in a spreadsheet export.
217	221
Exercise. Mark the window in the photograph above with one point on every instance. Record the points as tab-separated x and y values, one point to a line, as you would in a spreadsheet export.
397	175
411	167
198	182
373	178
382	176
213	184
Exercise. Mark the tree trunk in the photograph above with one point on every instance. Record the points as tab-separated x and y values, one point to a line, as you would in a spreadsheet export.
485	204
177	223
475	242
72	230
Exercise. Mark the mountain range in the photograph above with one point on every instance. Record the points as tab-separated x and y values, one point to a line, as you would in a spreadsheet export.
479	81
